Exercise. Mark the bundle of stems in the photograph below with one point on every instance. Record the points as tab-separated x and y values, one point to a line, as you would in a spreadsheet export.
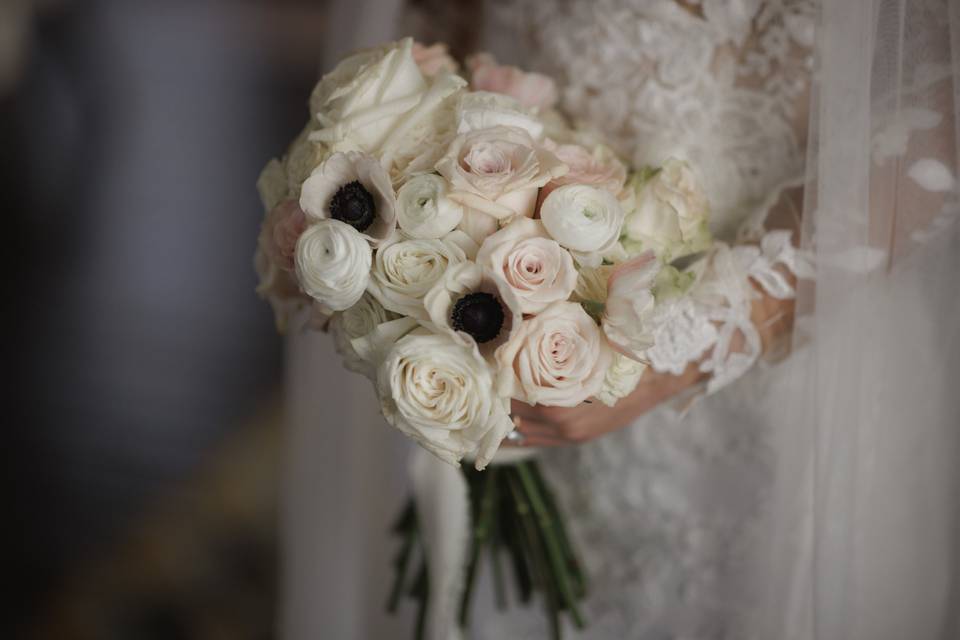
515	517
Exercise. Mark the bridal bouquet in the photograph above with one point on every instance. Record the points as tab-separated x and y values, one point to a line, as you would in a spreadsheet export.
466	247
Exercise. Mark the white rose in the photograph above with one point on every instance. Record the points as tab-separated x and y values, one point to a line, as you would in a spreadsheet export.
473	307
478	110
367	93
630	304
332	263
424	210
557	358
441	393
622	378
584	219
533	265
405	269
354	189
498	171
670	213
357	321
379	102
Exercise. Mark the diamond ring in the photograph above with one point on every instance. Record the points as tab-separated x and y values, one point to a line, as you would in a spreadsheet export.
517	438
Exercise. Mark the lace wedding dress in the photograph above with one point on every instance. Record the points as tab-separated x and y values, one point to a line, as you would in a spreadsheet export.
663	510
679	513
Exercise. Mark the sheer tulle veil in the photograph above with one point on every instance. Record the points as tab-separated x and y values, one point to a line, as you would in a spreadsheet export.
861	532
864	536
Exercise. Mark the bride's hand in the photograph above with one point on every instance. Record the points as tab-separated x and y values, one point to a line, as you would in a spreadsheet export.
543	426
554	426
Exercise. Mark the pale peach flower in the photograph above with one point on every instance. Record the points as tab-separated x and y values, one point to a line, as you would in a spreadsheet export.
532	90
599	168
281	230
433	59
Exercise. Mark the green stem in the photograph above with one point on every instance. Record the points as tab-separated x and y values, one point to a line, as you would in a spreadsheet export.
535	551
573	563
554	551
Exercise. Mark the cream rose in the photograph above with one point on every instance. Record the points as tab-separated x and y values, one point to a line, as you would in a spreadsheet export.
354	189
478	110
557	358
424	210
333	264
584	219
473	307
365	95
359	320
405	269
498	171
622	378
537	269
629	307
670	213
379	102
440	393
532	90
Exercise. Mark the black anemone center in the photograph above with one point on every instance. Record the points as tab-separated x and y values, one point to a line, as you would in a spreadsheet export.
353	204
479	314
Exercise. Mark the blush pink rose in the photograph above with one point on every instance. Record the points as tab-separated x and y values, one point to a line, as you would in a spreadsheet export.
599	168
532	90
531	263
281	230
433	59
557	358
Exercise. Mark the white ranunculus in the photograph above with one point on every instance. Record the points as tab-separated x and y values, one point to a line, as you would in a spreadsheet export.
405	269
531	263
448	306
622	378
357	321
630	305
440	392
584	219
424	210
669	214
557	358
478	110
498	171
352	187
332	263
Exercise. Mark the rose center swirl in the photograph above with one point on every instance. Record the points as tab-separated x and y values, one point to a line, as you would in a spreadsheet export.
478	314
354	205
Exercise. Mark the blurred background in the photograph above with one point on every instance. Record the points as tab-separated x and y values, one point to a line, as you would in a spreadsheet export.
143	373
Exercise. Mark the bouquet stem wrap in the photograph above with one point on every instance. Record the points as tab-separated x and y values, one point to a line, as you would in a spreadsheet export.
458	519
